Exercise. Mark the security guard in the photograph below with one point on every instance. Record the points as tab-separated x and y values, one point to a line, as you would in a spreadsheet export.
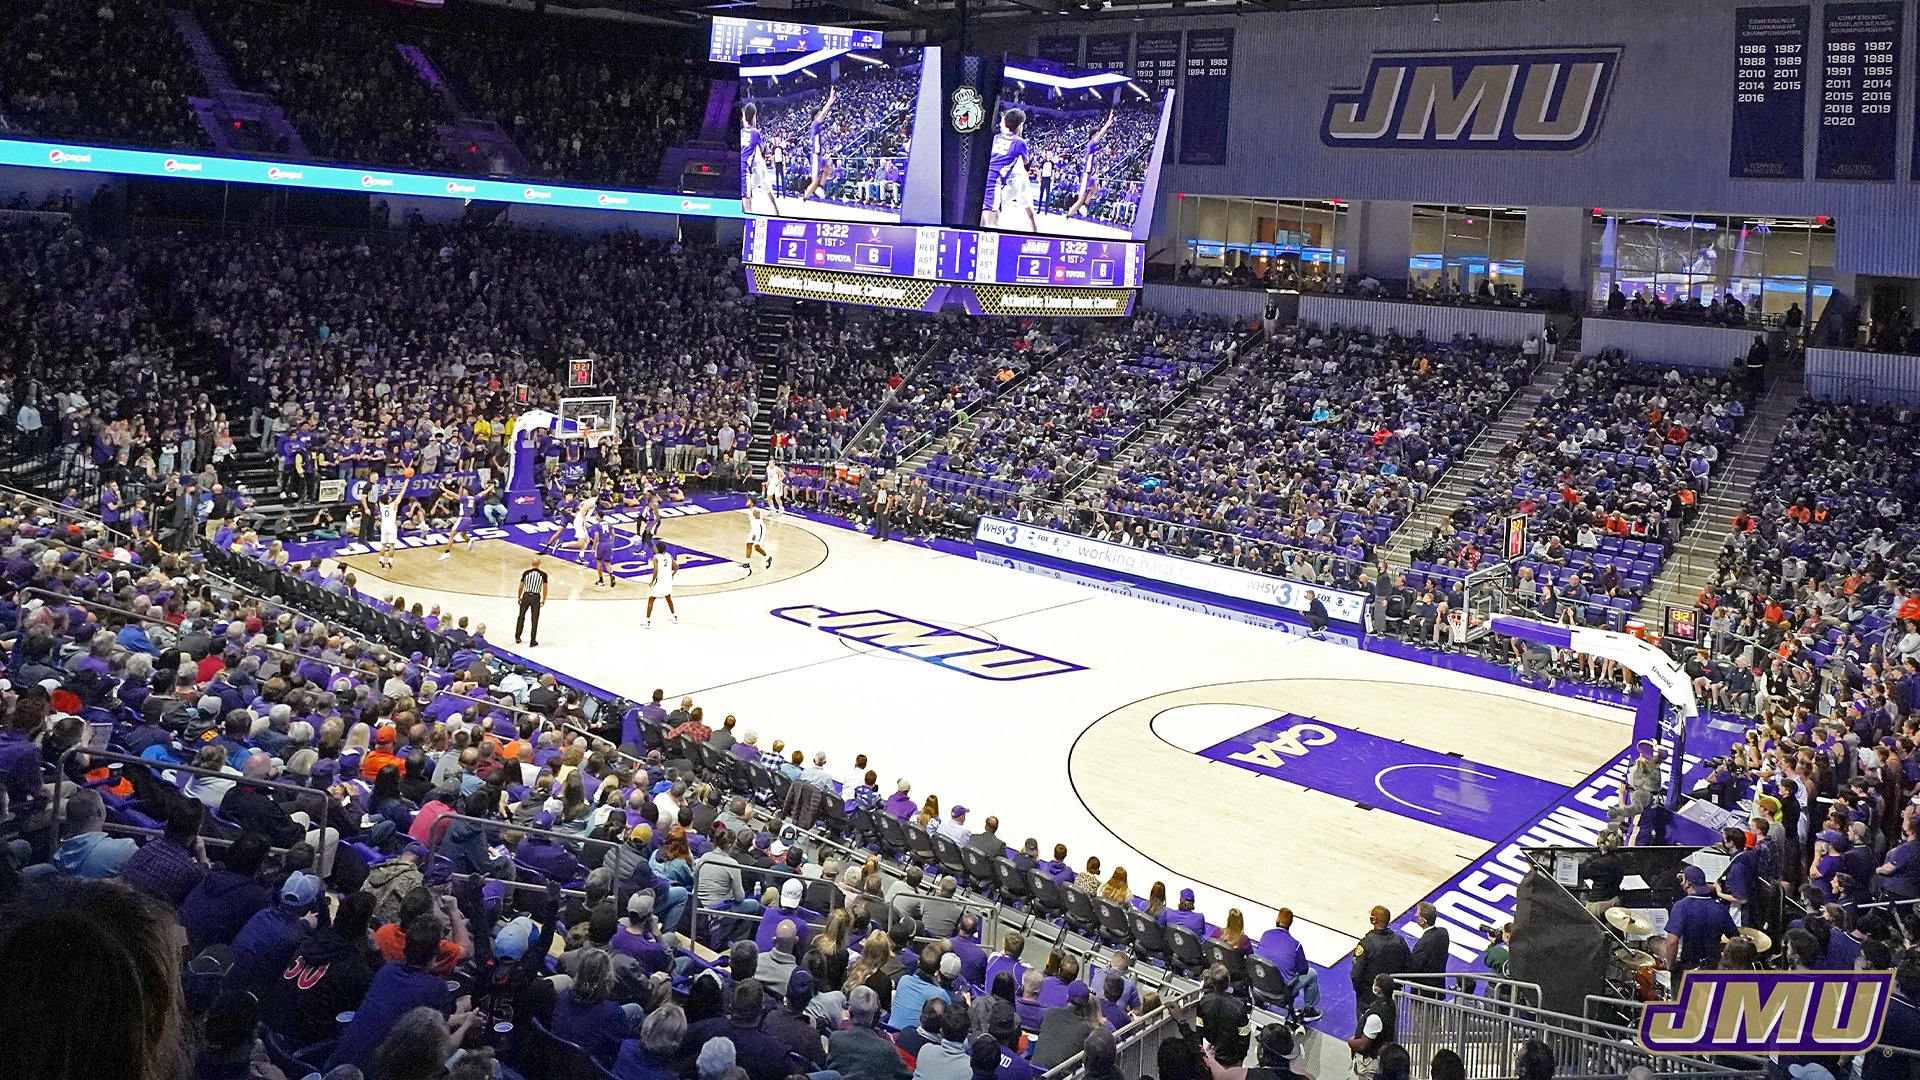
1376	1027
1382	952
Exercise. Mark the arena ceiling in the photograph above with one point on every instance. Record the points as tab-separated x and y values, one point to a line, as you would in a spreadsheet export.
940	20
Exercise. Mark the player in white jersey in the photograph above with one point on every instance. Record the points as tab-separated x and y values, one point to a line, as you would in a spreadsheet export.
756	535
390	521
776	487
660	586
584	516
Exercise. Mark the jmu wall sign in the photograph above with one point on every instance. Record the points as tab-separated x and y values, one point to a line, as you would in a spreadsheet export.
1509	100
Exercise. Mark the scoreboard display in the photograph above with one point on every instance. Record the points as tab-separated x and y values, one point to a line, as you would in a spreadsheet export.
733	38
951	256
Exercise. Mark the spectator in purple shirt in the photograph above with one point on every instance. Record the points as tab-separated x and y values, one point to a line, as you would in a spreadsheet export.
789	909
1279	947
1057	868
1185	915
227	897
169	868
900	804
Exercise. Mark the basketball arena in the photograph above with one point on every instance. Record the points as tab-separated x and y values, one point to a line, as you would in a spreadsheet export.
959	540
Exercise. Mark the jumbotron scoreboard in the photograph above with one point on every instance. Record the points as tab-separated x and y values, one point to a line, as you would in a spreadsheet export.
911	177
930	266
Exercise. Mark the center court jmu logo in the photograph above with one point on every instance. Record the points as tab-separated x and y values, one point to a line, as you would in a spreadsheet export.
1770	1012
1510	100
955	650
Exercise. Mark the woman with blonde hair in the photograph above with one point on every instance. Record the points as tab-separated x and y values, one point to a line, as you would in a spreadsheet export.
831	946
870	969
1116	888
1234	934
931	808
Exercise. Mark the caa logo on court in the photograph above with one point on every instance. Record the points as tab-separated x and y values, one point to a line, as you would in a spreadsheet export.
1770	1012
982	658
1521	100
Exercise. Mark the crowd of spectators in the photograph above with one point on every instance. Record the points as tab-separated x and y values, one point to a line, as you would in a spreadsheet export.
1810	603
370	858
1067	417
339	76
589	117
1725	310
1323	445
408	352
841	366
592	112
94	374
111	70
1610	466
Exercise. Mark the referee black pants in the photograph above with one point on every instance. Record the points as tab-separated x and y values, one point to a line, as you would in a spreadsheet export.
529	602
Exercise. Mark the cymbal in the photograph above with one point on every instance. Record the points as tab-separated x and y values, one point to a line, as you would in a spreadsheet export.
1635	958
1627	922
1761	941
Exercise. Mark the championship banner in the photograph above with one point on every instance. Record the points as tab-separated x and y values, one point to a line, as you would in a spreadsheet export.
1060	49
1209	89
1108	52
1156	61
1860	82
1770	93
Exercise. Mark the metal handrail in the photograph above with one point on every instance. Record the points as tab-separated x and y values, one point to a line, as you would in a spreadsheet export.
1486	1029
323	852
1129	1034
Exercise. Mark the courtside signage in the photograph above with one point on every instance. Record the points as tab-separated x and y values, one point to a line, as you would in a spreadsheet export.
955	650
1770	1012
1226	581
100	159
1509	100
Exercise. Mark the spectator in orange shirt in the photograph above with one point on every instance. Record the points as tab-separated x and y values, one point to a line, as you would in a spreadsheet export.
391	939
381	755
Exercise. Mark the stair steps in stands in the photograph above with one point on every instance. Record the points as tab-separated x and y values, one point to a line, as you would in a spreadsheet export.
1457	483
1692	564
236	120
772	327
465	131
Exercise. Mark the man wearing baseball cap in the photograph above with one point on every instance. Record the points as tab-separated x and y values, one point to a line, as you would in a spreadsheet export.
268	940
1185	916
792	892
1695	925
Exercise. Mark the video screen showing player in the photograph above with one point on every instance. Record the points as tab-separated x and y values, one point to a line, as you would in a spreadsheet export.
827	135
1074	154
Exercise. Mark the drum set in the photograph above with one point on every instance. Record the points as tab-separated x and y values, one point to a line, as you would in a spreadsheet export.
1639	956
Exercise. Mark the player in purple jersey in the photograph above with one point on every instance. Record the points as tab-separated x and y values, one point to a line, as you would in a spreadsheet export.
817	163
1008	203
463	522
1087	186
756	181
603	553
